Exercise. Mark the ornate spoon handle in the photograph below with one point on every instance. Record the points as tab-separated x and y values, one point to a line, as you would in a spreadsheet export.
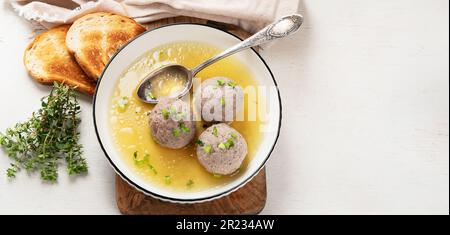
284	27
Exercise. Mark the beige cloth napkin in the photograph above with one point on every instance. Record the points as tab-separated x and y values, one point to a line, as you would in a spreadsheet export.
249	14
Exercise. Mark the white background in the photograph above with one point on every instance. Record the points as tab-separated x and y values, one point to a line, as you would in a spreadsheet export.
365	88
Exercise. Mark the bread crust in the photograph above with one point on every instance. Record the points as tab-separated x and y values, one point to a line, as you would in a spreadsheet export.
48	60
94	38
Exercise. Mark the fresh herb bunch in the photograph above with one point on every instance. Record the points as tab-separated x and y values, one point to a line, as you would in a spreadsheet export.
49	136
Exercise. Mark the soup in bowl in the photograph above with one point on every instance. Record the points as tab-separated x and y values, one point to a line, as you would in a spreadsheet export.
193	158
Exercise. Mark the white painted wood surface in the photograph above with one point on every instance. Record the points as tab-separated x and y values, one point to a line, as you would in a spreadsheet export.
365	89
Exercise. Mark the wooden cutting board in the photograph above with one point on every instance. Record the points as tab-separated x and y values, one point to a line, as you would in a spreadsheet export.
250	199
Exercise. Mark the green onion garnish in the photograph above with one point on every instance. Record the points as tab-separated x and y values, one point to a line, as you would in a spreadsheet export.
176	132
232	84
190	183
222	146
233	135
140	160
207	148
152	169
151	96
167	179
229	143
214	132
221	82
222	101
165	113
184	128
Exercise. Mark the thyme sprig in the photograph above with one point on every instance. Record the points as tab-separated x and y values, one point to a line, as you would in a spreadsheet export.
49	136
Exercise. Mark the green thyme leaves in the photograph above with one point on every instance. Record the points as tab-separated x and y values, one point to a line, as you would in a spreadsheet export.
49	136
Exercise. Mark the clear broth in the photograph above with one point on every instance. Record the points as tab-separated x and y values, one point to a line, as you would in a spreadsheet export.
129	127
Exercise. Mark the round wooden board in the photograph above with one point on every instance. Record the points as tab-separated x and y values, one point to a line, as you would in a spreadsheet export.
250	199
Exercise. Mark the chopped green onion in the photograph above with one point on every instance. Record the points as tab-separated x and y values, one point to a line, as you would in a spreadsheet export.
217	176
176	132
226	145
190	183
222	146
229	143
222	101
152	169
151	96
232	84
184	128
199	143
214	132
233	135
165	113
167	179
122	104
207	148
221	82
138	160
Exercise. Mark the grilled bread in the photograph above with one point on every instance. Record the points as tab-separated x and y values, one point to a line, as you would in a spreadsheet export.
48	60
95	37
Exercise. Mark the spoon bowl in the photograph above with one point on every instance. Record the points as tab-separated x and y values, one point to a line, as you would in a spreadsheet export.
281	28
145	90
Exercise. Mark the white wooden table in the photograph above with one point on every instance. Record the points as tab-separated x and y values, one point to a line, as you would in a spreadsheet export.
365	89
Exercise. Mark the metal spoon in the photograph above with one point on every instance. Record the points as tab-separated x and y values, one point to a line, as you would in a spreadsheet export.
281	28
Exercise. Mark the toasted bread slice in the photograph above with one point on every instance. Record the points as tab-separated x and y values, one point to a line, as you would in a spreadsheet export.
48	60
95	37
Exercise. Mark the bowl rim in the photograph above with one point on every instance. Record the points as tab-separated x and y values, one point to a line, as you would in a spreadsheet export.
172	199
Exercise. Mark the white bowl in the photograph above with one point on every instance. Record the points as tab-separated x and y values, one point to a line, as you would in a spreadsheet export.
166	34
